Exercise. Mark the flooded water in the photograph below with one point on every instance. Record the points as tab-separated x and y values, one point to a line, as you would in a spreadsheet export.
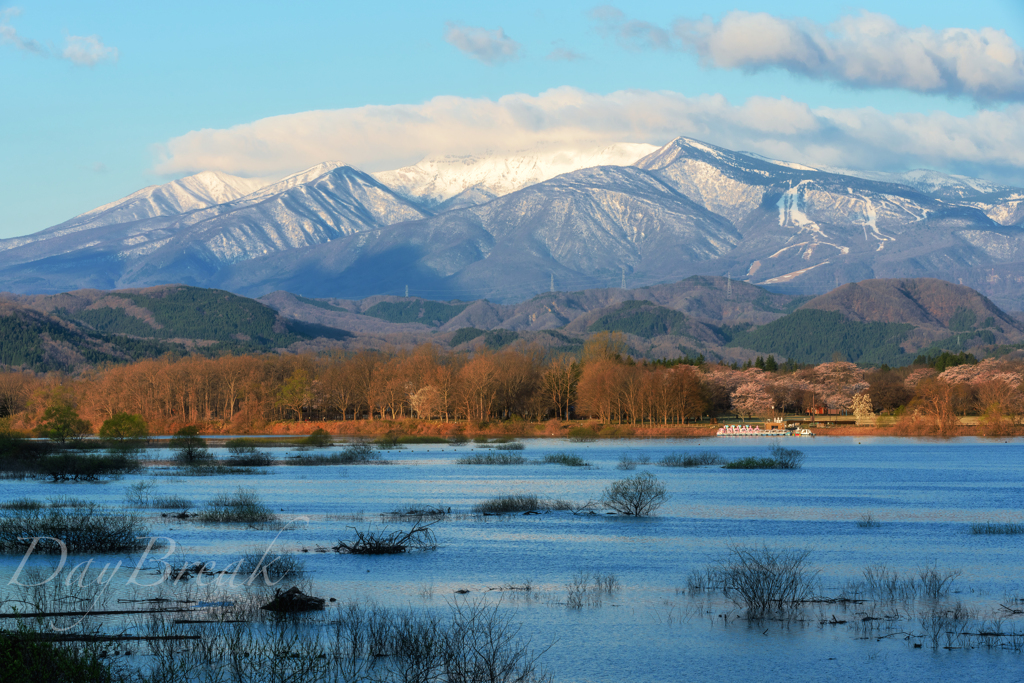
924	494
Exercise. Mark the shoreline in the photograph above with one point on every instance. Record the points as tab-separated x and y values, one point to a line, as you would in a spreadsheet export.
410	429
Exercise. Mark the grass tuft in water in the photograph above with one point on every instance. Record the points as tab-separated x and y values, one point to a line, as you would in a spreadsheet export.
492	459
699	459
243	506
563	458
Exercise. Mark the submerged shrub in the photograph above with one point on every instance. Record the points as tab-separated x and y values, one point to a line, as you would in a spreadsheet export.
382	542
245	453
640	495
189	448
766	580
82	529
243	506
319	438
510	446
82	467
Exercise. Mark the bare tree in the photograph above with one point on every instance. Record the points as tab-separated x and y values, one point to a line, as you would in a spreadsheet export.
640	495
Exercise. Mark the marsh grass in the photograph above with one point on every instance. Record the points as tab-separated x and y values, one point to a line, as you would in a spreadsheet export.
81	529
563	458
698	459
509	504
353	454
271	567
587	589
22	504
779	458
492	459
243	507
171	503
997	528
888	585
582	435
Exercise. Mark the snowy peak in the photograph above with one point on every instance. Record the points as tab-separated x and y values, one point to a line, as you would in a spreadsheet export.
439	178
193	192
296	179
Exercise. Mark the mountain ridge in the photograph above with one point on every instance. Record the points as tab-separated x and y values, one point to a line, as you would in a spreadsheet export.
485	227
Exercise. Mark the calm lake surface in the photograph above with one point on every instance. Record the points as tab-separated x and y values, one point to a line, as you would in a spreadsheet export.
925	494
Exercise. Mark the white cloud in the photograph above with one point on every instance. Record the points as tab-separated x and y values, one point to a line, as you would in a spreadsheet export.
490	47
864	51
9	35
986	143
88	51
79	50
870	50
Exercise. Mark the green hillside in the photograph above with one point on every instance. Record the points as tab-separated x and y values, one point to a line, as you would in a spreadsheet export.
35	342
642	318
415	311
815	336
238	323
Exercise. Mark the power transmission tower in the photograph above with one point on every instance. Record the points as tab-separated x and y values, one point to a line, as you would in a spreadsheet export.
407	291
552	283
623	278
728	286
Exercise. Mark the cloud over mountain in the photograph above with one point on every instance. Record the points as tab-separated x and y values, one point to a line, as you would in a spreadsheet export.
988	143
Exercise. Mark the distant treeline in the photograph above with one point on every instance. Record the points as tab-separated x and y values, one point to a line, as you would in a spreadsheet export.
246	392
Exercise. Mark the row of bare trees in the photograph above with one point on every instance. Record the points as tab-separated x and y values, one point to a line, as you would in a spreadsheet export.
429	383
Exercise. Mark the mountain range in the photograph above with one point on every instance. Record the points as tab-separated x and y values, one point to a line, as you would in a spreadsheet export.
509	227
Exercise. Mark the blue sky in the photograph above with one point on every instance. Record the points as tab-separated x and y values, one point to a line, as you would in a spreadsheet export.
99	101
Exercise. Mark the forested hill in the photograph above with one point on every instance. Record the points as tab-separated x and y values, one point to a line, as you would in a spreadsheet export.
86	327
873	322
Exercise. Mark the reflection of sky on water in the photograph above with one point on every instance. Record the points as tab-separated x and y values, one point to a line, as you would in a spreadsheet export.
924	493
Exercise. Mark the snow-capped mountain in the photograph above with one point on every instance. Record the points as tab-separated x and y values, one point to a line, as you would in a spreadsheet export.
503	226
438	179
